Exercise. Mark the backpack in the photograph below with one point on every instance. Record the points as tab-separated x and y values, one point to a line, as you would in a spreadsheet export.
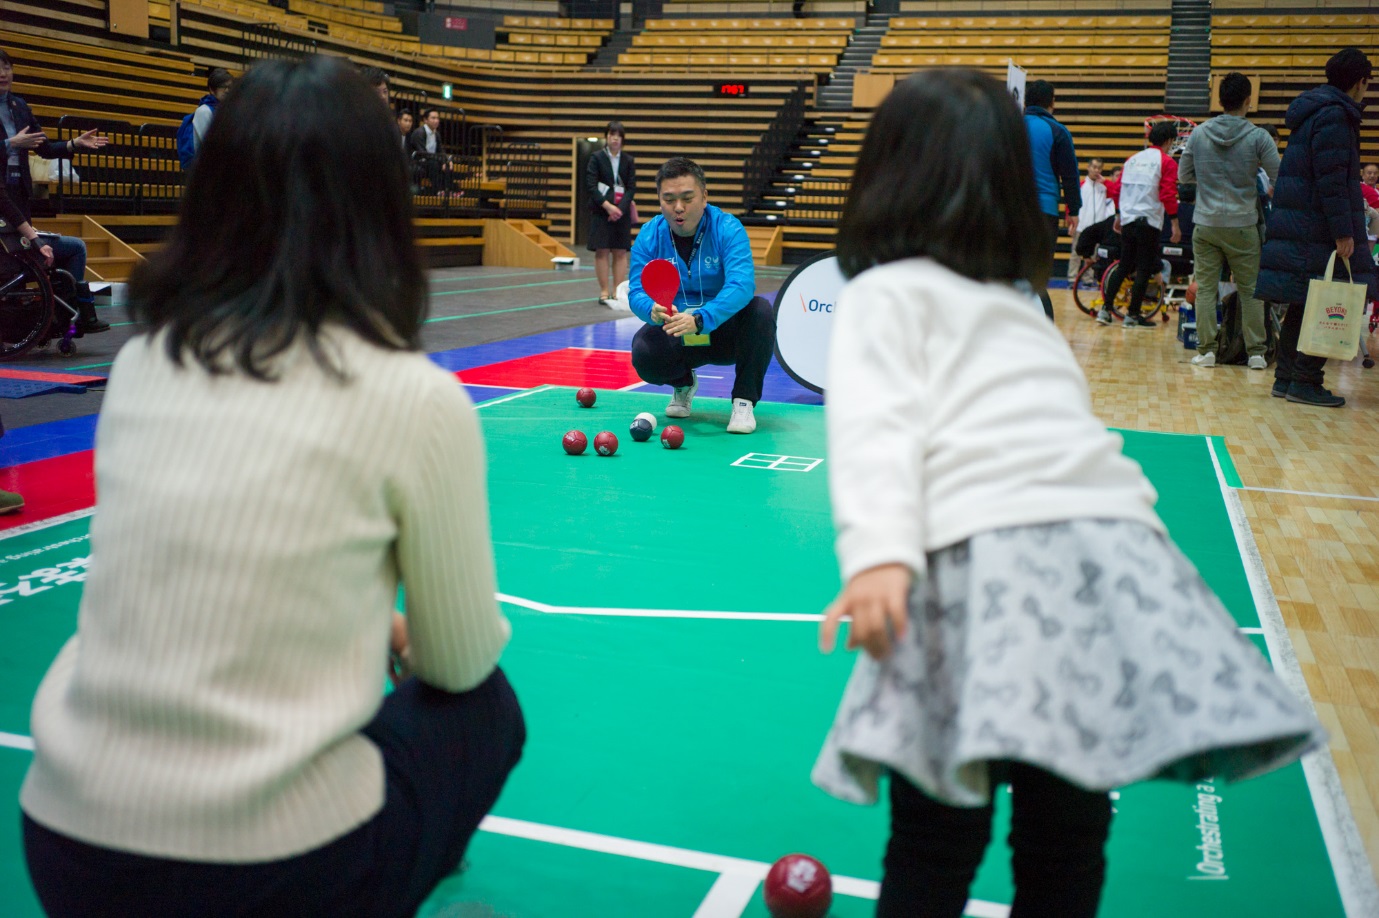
1230	339
186	141
186	132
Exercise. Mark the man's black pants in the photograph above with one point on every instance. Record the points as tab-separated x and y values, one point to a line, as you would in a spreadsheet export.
746	342
1141	252
1293	365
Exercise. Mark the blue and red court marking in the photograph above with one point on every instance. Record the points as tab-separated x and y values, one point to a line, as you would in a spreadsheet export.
51	464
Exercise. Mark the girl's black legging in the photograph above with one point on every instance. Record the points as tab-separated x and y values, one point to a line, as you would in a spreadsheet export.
1058	833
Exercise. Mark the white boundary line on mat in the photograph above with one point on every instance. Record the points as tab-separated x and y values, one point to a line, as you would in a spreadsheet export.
659	613
16	741
44	524
1349	861
737	877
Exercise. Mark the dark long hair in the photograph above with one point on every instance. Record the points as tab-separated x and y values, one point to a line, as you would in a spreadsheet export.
297	214
945	173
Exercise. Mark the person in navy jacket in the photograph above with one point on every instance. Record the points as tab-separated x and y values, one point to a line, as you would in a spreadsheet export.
1317	210
717	298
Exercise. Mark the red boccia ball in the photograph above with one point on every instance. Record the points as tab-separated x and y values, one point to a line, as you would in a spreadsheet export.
605	444
672	437
798	886
574	442
586	397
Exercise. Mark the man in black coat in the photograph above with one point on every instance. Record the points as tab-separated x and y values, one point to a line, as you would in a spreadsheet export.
1317	210
427	151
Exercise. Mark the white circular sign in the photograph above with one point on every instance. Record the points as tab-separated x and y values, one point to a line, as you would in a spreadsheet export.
804	320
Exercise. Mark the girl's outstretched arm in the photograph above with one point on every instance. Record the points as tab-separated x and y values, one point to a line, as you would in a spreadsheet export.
876	600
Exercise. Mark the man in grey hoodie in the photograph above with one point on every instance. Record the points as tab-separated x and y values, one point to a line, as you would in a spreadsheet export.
1223	157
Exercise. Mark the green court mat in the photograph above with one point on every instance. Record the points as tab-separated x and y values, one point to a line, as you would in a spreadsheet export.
650	726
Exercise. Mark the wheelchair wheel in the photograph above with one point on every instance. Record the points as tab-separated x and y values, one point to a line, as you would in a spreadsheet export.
1153	294
1087	288
26	307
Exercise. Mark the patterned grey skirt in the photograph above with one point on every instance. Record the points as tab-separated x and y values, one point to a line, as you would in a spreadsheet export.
1091	648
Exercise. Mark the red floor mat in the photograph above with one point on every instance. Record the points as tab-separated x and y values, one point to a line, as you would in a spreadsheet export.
571	366
51	487
41	376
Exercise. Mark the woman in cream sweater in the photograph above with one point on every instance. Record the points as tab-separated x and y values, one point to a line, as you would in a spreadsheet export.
274	456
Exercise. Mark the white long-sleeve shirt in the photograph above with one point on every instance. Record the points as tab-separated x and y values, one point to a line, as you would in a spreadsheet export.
955	409
233	633
1096	203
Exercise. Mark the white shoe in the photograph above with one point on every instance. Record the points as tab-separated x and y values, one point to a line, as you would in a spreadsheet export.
1257	362
742	420
1104	317
1206	360
680	402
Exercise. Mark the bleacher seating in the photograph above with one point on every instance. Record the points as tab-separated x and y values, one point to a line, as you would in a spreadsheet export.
1287	54
1050	43
812	45
1109	70
763	8
575	40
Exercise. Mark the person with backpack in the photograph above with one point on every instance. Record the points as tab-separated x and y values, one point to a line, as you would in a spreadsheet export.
195	125
1223	158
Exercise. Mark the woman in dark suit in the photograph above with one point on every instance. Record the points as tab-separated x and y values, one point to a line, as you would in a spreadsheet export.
610	181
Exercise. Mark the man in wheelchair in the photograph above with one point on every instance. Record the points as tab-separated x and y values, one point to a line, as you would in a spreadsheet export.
40	299
22	136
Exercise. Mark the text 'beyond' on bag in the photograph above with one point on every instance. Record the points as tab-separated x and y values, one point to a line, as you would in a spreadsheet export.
1334	315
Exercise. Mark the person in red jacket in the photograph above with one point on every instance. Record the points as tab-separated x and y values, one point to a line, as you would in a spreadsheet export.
1148	195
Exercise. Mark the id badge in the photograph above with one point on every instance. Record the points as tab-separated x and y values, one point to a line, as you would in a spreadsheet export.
617	194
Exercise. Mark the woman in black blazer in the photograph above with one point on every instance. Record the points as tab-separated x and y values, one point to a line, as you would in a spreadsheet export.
610	180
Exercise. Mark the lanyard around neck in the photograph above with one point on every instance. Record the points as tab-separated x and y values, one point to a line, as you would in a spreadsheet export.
689	262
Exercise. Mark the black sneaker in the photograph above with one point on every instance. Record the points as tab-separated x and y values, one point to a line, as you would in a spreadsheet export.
1280	389
1138	322
1312	394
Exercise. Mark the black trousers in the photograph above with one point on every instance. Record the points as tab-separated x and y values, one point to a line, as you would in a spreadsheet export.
746	342
1293	366
446	756
1052	221
1141	252
1058	834
19	186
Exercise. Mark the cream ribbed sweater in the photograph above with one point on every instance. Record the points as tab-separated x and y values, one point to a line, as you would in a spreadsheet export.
953	408
233	635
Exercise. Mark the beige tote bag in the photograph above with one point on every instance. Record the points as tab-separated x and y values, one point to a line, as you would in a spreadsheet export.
1334	315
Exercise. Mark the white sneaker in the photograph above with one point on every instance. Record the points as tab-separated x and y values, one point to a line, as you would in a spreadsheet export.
742	420
1257	362
1205	360
680	402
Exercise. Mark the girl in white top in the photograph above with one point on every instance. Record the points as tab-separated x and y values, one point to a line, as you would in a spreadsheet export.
274	456
1025	618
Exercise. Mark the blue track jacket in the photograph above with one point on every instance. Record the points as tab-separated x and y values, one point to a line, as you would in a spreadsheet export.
1055	162
720	276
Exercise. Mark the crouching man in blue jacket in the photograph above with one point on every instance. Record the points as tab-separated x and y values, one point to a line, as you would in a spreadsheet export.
717	298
